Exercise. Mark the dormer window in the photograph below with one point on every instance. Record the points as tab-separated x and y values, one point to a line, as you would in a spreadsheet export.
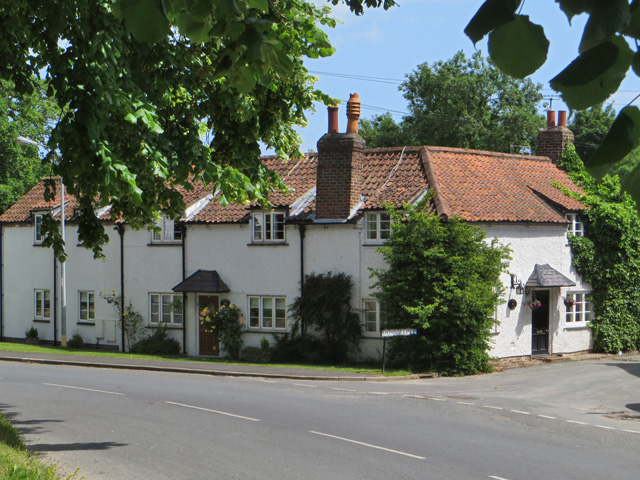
377	227
170	231
575	228
268	227
37	229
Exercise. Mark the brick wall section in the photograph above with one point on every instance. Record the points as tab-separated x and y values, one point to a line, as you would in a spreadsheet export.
339	177
552	140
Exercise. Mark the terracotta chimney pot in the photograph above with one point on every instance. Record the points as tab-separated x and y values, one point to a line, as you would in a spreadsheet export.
353	113
562	118
333	119
551	118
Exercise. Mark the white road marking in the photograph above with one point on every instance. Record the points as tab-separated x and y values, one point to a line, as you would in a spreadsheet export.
344	389
521	412
578	423
267	381
214	411
437	399
547	416
379	393
305	385
85	389
369	445
495	408
630	431
497	478
466	403
605	427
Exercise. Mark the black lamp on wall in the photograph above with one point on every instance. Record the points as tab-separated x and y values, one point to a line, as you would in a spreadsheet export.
517	284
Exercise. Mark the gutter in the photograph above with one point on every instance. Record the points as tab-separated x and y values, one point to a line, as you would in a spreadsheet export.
55	301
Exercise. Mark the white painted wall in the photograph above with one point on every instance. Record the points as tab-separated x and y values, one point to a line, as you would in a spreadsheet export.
27	267
531	244
271	270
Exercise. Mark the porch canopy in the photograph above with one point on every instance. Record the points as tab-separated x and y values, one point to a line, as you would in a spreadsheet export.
203	281
545	276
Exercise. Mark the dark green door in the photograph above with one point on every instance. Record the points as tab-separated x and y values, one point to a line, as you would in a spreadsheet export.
540	324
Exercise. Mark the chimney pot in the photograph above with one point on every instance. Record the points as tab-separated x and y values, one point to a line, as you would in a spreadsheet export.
562	118
333	119
353	113
551	118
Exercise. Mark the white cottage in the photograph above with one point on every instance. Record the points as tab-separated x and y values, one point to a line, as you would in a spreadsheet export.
332	221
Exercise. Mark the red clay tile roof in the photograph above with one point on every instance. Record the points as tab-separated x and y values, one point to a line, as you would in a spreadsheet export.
475	185
492	187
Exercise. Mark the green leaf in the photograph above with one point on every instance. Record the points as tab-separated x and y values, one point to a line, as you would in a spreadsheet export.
623	137
518	48
130	117
633	29
606	19
262	5
195	27
575	7
145	19
635	64
632	184
594	75
491	15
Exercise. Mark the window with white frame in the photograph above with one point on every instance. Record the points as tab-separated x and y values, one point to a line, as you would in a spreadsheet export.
581	311
87	306
170	231
575	228
42	304
377	226
267	313
37	229
371	316
268	227
165	308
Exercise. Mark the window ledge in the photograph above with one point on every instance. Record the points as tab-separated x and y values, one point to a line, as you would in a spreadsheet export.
169	326
577	325
268	244
42	320
266	330
377	244
85	322
164	244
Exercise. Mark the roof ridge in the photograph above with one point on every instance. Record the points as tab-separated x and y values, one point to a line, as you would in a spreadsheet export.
488	153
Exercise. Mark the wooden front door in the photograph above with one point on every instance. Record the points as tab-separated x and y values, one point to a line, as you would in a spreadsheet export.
540	324
209	341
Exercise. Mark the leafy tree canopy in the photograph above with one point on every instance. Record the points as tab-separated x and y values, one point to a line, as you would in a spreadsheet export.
141	82
443	278
462	102
519	46
31	115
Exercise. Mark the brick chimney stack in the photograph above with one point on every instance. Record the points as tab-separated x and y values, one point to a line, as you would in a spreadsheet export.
553	139
339	176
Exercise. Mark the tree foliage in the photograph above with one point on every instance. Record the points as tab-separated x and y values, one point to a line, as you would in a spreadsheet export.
324	307
141	82
31	115
519	47
462	102
608	257
443	279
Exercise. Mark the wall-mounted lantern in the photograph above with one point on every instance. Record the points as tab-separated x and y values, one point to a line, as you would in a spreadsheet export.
517	284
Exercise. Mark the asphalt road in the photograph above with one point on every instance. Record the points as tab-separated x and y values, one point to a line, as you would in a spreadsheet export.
564	421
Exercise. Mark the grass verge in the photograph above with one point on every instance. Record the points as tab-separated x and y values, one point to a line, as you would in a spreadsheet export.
369	368
15	461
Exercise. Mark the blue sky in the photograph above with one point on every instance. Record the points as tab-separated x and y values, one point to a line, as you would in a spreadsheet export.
388	45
